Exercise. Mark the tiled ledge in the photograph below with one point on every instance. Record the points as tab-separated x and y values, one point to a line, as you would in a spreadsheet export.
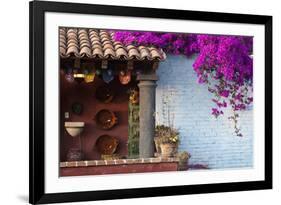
90	163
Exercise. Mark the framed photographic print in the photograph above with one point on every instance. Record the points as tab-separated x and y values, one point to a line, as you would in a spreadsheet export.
138	102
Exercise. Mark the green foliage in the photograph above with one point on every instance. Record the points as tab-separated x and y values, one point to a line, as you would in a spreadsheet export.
166	134
133	138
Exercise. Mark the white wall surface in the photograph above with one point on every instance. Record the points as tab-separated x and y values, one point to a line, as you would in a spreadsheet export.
210	141
14	101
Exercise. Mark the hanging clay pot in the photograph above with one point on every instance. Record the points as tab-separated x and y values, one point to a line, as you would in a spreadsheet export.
89	77
107	75
79	77
125	77
69	77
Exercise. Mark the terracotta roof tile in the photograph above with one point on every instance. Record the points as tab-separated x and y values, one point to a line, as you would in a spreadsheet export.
93	43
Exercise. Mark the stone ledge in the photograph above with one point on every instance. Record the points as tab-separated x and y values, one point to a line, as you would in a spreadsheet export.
91	163
119	166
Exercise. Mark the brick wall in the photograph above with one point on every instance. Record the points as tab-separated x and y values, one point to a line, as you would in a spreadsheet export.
210	141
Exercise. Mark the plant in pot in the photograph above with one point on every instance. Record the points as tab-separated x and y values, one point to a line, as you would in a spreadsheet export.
183	160
166	140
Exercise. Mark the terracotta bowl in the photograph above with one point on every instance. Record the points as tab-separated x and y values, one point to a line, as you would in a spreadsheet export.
104	94
106	144
105	119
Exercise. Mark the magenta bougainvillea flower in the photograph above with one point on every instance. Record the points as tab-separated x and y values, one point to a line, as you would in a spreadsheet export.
223	62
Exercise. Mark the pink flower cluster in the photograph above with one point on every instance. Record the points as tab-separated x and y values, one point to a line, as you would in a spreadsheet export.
174	43
223	62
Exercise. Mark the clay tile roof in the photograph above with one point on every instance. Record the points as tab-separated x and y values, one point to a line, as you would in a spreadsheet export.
94	43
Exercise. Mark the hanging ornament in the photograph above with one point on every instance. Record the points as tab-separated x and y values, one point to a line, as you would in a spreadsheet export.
107	75
89	72
78	70
69	75
98	72
78	75
89	77
125	77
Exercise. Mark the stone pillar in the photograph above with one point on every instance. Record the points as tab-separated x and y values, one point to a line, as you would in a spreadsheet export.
147	90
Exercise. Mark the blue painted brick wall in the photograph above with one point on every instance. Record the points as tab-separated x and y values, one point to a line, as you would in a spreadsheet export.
210	141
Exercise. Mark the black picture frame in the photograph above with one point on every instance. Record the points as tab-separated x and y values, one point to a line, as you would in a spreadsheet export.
37	193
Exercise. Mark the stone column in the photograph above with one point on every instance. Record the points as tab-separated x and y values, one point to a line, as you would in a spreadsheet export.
147	90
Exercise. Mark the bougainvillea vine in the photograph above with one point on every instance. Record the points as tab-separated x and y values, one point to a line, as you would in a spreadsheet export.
223	62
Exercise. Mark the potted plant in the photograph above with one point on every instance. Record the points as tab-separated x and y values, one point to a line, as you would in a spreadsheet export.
166	140
183	160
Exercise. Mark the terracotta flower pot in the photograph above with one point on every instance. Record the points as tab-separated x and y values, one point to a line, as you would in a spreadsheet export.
183	164
168	149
